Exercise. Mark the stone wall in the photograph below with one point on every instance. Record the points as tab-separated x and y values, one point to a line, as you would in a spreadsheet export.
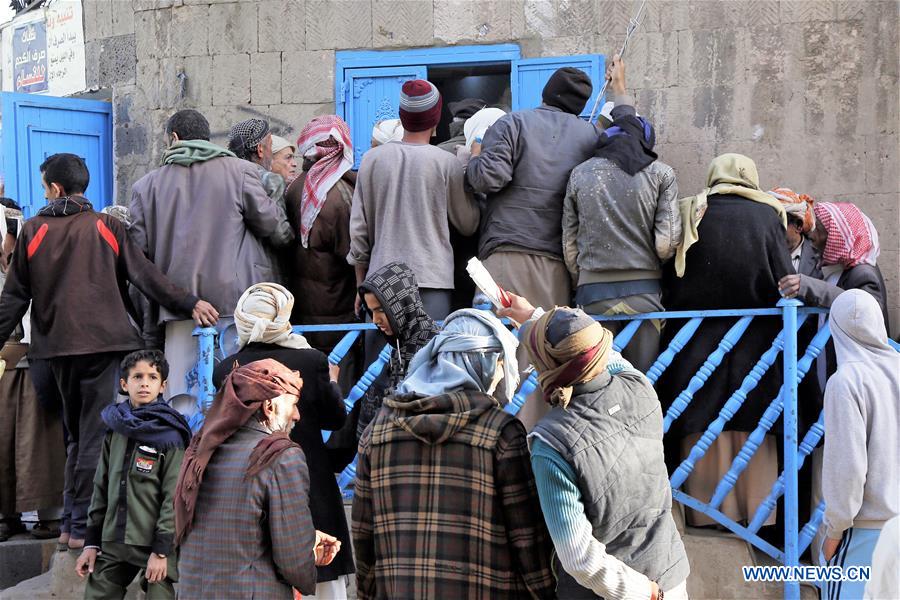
806	88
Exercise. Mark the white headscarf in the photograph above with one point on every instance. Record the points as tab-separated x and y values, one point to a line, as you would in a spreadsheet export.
479	123
390	130
262	315
463	356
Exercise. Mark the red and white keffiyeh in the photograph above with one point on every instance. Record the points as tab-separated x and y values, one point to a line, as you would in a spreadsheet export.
326	141
852	238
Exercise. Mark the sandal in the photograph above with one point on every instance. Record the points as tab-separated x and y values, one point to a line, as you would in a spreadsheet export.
45	530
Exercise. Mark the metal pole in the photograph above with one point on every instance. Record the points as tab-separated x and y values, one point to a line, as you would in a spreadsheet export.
789	399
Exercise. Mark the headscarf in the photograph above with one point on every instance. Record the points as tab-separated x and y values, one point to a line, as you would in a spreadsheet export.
263	314
240	397
852	238
397	290
156	424
476	125
628	142
728	174
326	141
799	206
464	356
579	355
248	134
66	206
390	130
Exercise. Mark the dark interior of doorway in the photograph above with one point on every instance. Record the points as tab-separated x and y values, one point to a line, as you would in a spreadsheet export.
457	82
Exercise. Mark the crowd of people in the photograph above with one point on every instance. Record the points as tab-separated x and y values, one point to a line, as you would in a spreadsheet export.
571	218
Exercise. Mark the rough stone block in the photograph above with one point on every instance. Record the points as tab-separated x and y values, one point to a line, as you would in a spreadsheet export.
552	18
402	23
147	80
152	33
457	21
231	79
233	28
198	85
882	171
265	78
667	15
130	129
338	24
289	119
307	77
97	19
613	16
708	57
805	11
568	45
171	84
652	60
122	17
282	25
188	31
111	61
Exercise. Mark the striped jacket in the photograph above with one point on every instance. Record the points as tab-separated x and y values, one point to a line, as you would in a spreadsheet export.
250	539
446	505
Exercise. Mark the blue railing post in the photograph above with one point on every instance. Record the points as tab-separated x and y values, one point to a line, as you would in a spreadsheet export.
206	362
789	398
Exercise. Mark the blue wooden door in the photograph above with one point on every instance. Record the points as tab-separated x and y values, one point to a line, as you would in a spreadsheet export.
369	95
528	77
34	127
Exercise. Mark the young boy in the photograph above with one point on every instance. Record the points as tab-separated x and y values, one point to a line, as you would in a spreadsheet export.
131	521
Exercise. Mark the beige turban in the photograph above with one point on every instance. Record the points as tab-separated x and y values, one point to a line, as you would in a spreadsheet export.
263	315
390	130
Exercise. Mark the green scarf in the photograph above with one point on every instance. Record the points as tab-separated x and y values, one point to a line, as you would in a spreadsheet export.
188	152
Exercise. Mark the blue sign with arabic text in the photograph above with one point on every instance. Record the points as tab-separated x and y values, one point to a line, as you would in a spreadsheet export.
30	58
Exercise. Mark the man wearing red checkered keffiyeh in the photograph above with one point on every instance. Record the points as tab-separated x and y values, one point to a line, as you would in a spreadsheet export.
325	141
848	243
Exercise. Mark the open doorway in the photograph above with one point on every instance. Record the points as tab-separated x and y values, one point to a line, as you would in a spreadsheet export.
490	83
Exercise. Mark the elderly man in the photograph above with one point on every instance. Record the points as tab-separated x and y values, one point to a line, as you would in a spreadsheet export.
242	514
204	219
284	160
445	499
251	140
605	425
523	166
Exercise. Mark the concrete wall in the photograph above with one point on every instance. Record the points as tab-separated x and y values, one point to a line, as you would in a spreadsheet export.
806	88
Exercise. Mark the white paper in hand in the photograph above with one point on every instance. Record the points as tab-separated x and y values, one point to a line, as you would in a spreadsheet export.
485	282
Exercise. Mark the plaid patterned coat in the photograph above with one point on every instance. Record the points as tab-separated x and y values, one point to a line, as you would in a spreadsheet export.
446	505
250	539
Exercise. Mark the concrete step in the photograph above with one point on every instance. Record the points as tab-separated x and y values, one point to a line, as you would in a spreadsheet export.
23	557
59	582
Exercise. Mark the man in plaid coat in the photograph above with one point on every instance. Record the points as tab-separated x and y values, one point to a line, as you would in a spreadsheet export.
446	504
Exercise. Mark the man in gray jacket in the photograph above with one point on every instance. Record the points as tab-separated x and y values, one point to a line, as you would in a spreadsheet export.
620	221
523	166
205	220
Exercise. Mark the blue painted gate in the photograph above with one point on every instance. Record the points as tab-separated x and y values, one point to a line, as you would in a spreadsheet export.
34	127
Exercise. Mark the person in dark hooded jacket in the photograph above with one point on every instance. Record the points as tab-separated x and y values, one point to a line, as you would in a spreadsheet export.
391	297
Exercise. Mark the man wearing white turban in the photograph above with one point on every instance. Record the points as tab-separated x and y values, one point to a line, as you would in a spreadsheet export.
262	318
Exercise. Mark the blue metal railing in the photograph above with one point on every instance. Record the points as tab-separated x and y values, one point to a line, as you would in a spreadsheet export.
793	316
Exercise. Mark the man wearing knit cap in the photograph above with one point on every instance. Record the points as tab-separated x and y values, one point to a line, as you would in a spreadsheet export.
523	166
605	425
407	195
252	140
